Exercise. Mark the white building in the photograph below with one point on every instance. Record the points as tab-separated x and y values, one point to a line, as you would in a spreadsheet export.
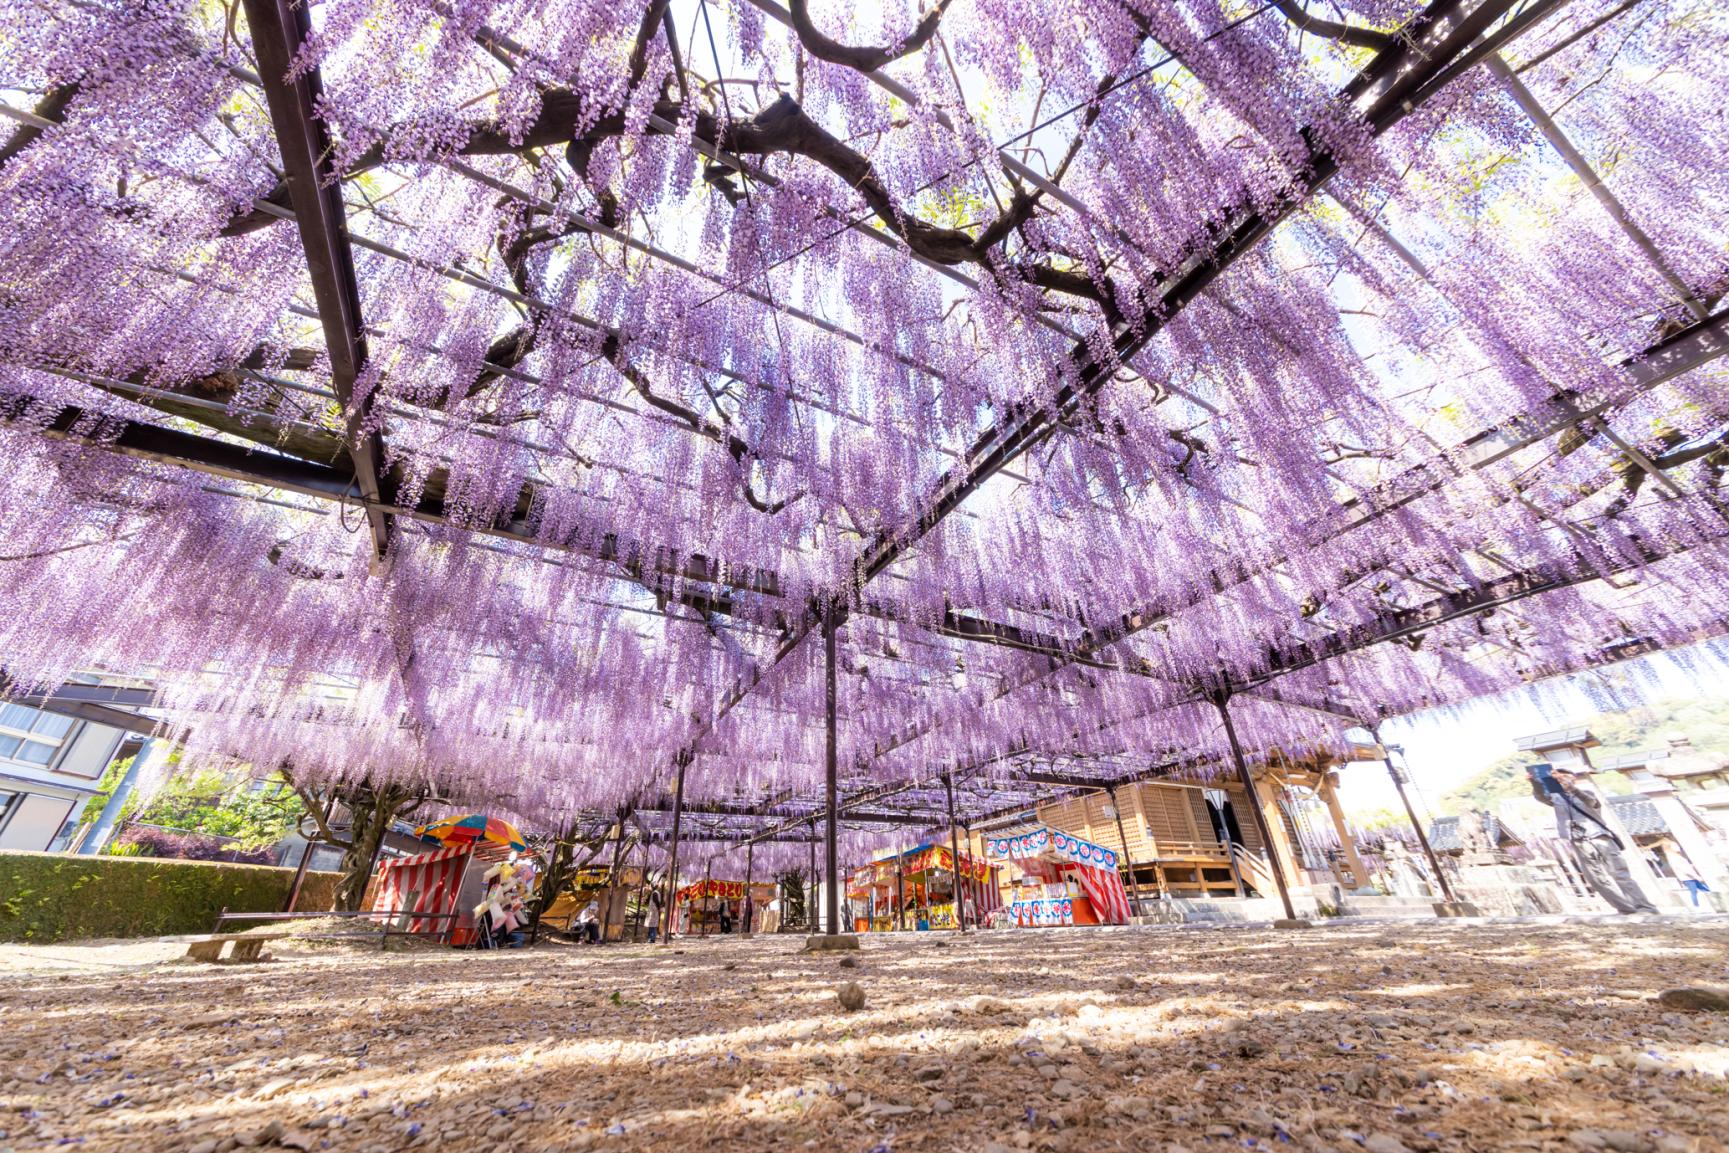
49	767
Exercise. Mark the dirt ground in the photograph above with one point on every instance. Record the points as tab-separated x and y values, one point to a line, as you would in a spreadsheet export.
1384	1037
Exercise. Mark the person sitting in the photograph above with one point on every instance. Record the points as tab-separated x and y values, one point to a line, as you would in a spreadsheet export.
503	913
588	922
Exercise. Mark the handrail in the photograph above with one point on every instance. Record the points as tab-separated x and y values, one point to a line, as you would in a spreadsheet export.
1253	868
1164	850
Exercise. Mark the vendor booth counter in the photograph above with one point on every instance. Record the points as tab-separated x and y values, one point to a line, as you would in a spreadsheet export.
697	907
610	895
434	894
1060	880
916	890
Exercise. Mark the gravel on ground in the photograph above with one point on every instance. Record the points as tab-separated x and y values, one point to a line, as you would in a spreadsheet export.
1418	1036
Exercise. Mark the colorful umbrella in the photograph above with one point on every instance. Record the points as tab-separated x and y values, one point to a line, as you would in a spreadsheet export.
474	827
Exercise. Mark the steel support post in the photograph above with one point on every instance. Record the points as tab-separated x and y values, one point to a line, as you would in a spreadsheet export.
955	848
1221	700
672	856
1422	837
831	841
749	866
900	897
1123	839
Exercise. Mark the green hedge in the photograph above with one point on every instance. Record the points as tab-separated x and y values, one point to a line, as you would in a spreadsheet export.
46	897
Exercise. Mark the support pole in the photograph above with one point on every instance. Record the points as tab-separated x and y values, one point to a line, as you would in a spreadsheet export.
1221	700
707	876
306	859
299	878
1422	837
955	849
831	841
810	917
684	759
612	885
1123	839
749	865
641	884
900	897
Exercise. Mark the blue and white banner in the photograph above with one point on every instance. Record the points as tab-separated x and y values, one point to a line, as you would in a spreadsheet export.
1034	914
1051	842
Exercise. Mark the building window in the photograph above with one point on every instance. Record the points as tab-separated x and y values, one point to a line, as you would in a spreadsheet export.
31	737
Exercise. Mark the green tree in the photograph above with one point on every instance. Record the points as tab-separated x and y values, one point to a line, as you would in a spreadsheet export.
255	813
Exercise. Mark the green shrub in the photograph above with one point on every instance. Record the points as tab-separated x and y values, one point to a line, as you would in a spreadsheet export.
47	897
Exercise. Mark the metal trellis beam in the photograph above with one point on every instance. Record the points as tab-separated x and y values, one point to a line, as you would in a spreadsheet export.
279	30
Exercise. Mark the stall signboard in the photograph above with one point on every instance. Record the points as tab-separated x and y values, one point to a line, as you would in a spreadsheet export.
920	860
1048	842
881	873
937	857
628	876
726	890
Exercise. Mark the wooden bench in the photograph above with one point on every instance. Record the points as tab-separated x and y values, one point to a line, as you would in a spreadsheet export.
246	946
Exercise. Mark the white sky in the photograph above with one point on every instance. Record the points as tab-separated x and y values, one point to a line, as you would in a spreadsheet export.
1444	748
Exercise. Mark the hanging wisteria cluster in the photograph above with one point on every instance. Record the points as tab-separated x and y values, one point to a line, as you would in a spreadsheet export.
1092	361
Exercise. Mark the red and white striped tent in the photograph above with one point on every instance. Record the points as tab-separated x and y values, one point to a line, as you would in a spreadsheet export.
1052	855
419	889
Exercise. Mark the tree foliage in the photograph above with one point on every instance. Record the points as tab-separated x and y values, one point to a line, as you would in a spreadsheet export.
251	813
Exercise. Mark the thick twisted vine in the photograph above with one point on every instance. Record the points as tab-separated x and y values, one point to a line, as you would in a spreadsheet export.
863	59
781	128
612	348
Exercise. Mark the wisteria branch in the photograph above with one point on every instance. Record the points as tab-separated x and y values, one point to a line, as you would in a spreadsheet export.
864	59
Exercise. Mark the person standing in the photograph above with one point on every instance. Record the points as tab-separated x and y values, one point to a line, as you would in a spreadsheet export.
656	907
1684	871
1579	822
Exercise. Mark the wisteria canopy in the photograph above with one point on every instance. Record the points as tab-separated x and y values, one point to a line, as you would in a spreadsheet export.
511	397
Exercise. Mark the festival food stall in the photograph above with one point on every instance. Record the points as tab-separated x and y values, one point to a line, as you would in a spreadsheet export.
916	890
696	907
585	885
1062	880
439	893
